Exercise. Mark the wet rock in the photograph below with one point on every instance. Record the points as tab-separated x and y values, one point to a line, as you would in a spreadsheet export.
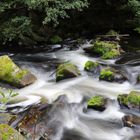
67	70
104	49
9	133
111	75
131	120
6	118
13	75
92	66
135	138
97	103
130	101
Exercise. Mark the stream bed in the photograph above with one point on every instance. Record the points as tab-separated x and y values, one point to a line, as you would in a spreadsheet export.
67	117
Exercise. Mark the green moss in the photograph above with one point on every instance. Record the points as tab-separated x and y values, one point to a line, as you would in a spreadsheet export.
66	70
9	71
132	98
56	39
111	54
9	133
102	47
89	65
106	74
96	101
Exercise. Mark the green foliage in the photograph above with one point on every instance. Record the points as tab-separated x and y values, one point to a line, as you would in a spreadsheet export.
5	97
21	18
134	5
89	65
96	101
106	74
56	39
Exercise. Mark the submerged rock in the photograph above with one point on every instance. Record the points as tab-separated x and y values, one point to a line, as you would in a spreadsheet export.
66	70
104	49
97	103
91	66
111	75
131	120
13	75
130	101
9	133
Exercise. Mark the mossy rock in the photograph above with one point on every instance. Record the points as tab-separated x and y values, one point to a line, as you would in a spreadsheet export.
104	49
111	54
97	103
9	133
112	75
66	70
90	65
130	101
13	75
106	74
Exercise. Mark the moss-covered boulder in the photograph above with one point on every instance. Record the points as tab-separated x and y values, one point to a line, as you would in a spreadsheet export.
13	75
131	120
106	74
111	75
104	49
130	101
91	66
9	133
66	70
97	103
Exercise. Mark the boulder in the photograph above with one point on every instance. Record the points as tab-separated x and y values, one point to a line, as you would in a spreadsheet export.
111	75
97	103
104	49
13	75
131	120
66	70
9	133
130	101
91	66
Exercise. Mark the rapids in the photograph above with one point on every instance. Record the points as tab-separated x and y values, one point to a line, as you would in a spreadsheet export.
73	121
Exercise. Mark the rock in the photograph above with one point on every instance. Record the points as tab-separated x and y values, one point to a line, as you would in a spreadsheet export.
66	70
104	49
9	133
6	118
111	75
91	66
135	138
130	101
97	103
13	75
131	120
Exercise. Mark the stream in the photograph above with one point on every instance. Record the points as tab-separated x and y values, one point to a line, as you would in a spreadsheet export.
72	120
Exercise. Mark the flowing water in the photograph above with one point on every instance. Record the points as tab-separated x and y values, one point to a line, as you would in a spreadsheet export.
73	121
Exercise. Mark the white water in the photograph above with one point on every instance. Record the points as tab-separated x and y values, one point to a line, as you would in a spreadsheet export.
92	125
